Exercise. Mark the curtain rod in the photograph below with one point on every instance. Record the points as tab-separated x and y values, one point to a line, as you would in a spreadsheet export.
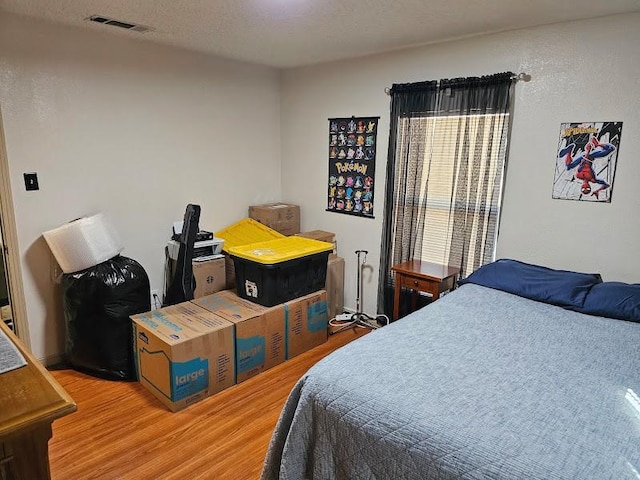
525	77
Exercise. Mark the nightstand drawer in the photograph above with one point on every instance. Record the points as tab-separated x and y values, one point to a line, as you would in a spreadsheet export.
420	284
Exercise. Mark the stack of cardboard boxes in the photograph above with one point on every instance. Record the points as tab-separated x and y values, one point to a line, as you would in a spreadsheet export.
189	351
285	218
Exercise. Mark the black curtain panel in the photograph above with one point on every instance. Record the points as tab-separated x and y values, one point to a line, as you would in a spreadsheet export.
447	150
408	100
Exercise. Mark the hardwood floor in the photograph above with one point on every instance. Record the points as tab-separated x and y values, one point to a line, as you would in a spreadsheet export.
121	431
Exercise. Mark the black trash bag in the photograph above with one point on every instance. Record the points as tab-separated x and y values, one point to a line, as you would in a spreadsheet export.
97	305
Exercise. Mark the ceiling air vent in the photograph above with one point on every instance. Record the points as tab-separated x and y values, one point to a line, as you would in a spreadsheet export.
118	23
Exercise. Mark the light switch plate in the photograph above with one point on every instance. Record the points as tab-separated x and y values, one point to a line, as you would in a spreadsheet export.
31	181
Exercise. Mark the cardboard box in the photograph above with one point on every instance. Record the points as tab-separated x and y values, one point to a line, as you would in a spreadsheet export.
259	332
306	322
335	286
183	353
282	217
323	236
210	276
229	306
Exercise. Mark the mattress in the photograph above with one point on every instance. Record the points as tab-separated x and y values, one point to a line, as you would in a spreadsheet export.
481	384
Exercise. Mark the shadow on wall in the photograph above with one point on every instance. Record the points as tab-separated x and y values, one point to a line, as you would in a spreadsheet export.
39	262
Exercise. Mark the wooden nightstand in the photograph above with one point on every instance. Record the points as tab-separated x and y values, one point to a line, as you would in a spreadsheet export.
422	276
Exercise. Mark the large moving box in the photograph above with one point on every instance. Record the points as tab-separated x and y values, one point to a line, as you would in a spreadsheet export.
259	332
282	217
183	353
307	323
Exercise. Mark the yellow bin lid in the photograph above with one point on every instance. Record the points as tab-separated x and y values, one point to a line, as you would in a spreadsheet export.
245	232
280	250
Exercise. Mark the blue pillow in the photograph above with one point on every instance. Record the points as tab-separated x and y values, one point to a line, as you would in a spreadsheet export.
614	300
557	287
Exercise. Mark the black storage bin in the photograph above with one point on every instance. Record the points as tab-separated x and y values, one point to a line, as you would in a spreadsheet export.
97	305
269	285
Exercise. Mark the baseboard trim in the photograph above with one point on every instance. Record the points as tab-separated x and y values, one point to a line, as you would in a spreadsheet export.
52	360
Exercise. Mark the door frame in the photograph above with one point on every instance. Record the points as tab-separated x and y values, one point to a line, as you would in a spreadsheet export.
10	242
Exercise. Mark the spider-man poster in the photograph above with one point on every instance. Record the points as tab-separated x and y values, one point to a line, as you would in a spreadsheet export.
352	163
586	161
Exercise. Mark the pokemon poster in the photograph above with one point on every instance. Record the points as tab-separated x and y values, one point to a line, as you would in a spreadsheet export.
352	157
586	161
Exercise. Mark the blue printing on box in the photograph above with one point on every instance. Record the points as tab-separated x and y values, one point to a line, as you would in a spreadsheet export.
187	378
162	318
250	353
317	320
317	317
217	303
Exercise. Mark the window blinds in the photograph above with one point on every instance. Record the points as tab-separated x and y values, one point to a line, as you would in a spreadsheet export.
460	184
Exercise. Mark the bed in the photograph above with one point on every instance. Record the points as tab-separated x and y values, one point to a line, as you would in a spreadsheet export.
482	384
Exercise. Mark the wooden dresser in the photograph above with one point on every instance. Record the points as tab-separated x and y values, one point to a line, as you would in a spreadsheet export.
30	400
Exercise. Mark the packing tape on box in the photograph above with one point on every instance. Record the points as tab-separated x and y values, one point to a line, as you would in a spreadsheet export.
83	243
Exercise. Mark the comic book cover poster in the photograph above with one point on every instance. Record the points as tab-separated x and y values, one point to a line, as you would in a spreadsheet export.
586	161
352	157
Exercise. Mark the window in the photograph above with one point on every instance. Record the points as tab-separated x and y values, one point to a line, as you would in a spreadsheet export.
447	154
439	189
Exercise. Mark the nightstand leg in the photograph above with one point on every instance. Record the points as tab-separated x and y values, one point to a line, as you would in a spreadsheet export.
396	298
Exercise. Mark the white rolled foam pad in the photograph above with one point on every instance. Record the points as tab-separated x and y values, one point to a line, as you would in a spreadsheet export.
83	243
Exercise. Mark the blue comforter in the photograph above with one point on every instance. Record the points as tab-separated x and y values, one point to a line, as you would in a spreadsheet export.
481	384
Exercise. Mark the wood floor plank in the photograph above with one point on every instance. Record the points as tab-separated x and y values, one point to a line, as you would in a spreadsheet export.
121	431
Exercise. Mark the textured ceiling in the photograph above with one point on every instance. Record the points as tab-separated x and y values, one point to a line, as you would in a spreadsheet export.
290	33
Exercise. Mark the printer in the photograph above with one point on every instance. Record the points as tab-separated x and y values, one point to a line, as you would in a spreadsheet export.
203	250
205	247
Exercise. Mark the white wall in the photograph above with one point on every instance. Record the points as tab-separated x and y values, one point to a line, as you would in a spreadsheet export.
131	129
581	71
138	131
